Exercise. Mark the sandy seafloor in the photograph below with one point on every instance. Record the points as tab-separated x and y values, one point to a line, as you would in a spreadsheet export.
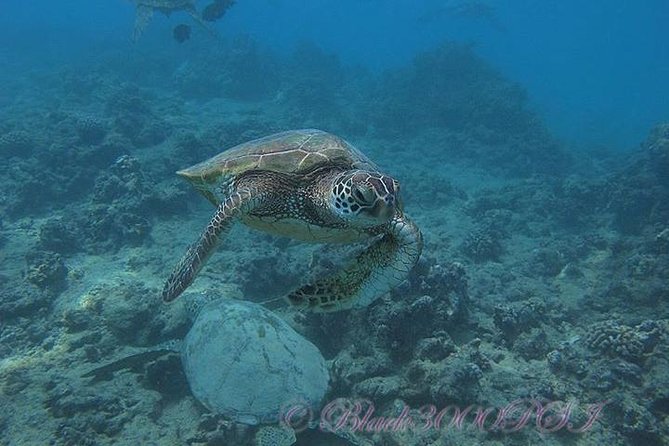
544	273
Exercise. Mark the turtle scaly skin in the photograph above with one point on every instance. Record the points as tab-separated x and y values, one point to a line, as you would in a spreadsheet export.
312	186
374	272
198	253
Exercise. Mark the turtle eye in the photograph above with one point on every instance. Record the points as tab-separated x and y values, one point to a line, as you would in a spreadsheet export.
359	195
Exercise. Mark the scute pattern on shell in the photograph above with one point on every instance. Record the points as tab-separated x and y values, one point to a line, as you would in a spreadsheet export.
233	345
295	151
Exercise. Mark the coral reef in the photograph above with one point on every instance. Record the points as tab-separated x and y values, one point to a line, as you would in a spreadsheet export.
455	378
119	213
59	235
482	244
657	147
443	290
453	89
537	281
624	341
85	413
532	345
639	194
435	299
275	436
21	301
350	367
134	118
313	94
240	70
662	241
518	317
16	143
116	215
46	270
462	91
91	130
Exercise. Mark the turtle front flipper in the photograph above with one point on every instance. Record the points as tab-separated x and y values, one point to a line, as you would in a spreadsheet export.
375	271
142	19
199	252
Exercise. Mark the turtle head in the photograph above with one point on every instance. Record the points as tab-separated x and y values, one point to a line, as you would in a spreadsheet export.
369	198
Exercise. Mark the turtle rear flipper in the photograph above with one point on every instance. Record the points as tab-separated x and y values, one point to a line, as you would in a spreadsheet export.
199	252
204	25
375	271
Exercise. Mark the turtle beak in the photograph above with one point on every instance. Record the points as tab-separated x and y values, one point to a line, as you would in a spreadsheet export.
399	203
384	208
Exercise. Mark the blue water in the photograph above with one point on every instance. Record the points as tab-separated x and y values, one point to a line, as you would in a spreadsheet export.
531	142
595	70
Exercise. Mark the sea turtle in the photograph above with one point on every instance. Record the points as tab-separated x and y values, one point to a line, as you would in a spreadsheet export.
313	186
243	362
233	345
146	8
216	10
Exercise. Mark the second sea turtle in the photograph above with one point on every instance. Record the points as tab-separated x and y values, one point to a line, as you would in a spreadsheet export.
146	8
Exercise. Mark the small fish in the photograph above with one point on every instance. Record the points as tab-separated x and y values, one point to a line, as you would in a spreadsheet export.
216	10
181	33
